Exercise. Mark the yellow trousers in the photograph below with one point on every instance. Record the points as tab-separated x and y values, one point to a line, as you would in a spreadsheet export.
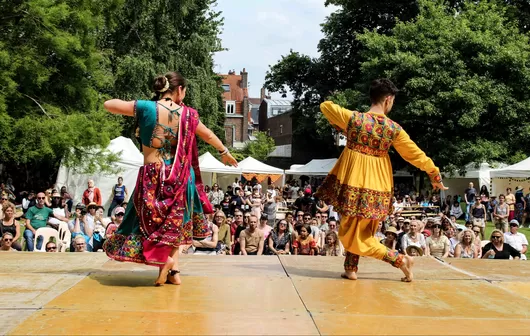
357	235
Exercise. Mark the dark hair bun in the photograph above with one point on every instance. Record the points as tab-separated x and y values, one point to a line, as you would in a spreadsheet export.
159	83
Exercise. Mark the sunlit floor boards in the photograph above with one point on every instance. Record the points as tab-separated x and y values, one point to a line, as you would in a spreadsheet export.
85	293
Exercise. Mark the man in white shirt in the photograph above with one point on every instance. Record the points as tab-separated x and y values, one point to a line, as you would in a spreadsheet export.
516	239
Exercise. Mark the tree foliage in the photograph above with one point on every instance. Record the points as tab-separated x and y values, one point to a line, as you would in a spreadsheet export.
259	149
461	66
60	59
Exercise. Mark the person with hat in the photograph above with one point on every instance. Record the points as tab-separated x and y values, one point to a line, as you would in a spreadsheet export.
360	185
516	239
115	224
391	238
414	251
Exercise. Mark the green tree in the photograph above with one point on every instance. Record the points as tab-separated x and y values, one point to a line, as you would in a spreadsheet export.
463	77
51	76
259	149
164	35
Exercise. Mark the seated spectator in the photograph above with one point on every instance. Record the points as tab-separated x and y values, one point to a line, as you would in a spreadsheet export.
80	244
456	210
414	237
438	243
36	218
51	247
60	212
304	243
390	240
115	224
515	239
478	241
224	231
332	225
332	246
264	227
99	224
414	251
67	198
11	225
29	201
251	239
453	240
498	249
467	248
380	234
7	242
79	226
279	239
208	245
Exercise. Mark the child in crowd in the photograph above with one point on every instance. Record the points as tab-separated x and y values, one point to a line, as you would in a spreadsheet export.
304	243
332	247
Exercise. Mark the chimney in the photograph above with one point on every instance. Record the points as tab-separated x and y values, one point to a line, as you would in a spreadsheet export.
263	93
244	79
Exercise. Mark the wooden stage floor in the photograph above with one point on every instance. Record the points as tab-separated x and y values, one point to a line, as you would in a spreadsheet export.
85	293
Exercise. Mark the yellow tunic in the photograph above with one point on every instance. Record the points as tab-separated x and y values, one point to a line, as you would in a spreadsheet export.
361	183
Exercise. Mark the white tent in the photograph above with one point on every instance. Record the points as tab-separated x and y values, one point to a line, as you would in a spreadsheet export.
314	168
129	163
457	183
511	176
251	167
214	171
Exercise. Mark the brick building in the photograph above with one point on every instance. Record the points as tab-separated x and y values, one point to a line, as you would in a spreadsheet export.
237	108
276	119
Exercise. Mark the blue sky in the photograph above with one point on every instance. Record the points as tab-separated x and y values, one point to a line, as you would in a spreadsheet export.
258	32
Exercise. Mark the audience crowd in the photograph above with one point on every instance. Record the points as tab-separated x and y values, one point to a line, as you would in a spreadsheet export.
289	220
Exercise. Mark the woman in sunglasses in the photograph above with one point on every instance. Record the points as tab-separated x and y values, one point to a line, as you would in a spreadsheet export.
498	249
7	242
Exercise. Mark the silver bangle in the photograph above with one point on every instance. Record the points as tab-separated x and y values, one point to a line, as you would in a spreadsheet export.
224	152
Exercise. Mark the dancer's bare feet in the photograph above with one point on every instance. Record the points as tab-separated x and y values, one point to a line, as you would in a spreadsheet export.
349	275
173	277
406	268
163	272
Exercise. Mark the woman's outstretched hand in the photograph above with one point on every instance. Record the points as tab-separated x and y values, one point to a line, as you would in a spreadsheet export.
228	159
439	186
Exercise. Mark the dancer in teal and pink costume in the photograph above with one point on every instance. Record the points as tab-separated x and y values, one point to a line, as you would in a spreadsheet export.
168	203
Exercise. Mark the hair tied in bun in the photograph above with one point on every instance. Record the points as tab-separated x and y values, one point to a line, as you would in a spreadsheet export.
166	86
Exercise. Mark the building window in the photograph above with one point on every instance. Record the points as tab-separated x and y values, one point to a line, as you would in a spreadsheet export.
281	129
226	87
230	107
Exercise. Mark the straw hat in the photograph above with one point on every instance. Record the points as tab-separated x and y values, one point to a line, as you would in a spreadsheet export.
411	248
391	229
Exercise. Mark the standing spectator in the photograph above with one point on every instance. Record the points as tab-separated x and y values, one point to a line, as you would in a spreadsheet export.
119	194
510	200
11	225
498	249
256	202
279	239
478	212
237	200
91	194
466	247
81	227
36	218
251	239
308	204
7	242
515	239
520	204
469	196
500	214
225	204
216	195
484	196
270	207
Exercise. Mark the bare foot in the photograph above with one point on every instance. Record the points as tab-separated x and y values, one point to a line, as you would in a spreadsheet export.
174	277
406	268
162	275
349	275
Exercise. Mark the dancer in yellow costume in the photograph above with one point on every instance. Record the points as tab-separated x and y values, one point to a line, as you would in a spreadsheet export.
360	186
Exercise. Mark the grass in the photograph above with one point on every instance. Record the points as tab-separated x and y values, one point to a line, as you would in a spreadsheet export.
490	227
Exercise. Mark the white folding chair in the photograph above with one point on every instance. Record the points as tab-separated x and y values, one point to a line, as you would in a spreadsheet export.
484	243
46	233
65	237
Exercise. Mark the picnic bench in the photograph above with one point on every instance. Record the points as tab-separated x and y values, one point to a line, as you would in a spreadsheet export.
417	210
